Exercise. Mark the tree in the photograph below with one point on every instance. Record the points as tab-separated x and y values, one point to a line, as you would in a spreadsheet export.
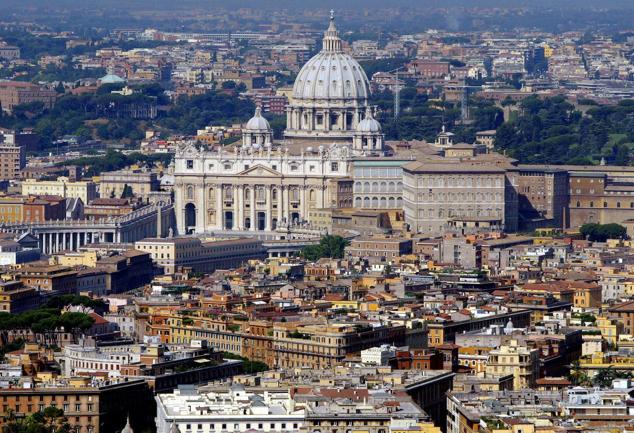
50	420
602	232
331	246
229	84
605	376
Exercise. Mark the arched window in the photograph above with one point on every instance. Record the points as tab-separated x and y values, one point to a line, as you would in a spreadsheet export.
211	193
274	194
312	196
578	204
190	192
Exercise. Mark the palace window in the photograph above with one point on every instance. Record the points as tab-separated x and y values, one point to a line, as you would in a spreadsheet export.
190	164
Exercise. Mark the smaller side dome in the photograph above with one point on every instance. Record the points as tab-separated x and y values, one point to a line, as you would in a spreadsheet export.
369	123
258	122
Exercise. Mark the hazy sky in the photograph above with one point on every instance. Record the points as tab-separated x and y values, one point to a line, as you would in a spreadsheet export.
273	4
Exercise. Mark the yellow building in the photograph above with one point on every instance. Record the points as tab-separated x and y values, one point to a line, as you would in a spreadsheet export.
610	329
63	187
421	427
346	304
11	209
520	361
173	254
590	365
520	427
587	296
474	357
71	259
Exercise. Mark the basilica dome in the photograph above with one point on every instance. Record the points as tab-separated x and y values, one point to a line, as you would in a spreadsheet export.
331	74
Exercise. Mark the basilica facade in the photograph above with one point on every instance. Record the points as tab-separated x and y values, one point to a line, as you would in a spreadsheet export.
260	184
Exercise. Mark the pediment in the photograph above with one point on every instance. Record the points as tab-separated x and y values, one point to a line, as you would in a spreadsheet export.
259	170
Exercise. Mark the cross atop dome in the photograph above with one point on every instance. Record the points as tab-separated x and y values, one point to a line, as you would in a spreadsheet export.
332	42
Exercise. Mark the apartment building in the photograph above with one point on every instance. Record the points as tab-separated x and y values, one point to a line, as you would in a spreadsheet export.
49	278
12	161
385	248
91	406
141	182
173	254
326	345
63	187
520	361
14	93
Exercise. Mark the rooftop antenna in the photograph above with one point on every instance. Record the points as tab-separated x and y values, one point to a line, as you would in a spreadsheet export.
397	92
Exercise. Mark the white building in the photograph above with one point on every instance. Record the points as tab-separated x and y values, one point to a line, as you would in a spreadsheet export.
231	409
378	355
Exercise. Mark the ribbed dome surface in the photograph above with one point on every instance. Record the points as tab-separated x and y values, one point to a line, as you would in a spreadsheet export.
331	74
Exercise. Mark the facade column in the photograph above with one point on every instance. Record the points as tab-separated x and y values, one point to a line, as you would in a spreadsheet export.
56	246
252	216
43	243
236	212
201	218
269	209
303	214
240	207
287	208
282	206
327	119
219	207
